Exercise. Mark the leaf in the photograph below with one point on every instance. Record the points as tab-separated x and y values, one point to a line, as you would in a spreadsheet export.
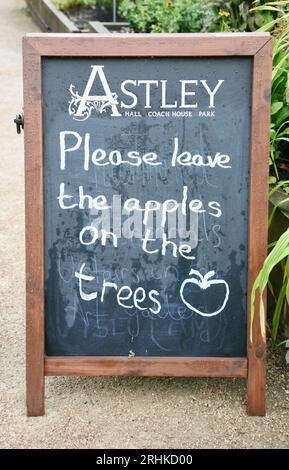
272	179
281	344
271	245
279	253
282	138
283	115
281	2
272	134
274	210
280	184
271	290
268	26
277	312
278	66
283	124
267	7
275	107
285	132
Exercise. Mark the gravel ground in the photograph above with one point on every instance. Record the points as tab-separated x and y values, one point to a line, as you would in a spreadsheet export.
105	412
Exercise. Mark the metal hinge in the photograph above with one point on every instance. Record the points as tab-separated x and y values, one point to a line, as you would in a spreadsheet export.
19	122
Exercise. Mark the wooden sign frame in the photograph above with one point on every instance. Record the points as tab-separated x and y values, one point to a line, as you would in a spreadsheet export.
37	46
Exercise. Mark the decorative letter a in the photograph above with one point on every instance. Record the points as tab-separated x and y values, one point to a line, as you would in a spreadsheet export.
80	107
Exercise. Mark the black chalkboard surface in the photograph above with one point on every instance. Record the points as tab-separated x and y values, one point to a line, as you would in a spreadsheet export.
146	205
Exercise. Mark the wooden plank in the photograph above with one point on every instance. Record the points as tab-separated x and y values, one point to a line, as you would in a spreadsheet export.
258	220
98	27
34	232
49	18
137	45
147	366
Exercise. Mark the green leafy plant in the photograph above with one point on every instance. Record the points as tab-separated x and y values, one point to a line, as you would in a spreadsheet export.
279	139
65	5
170	16
279	254
284	185
237	15
279	132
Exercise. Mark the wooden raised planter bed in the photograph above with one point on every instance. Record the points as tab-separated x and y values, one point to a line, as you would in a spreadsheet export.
50	19
106	27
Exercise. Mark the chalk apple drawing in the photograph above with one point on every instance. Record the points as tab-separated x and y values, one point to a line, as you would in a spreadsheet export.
204	282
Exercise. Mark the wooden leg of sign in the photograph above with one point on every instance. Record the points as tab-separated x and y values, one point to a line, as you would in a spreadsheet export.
256	385
34	373
256	381
34	231
35	395
258	217
34	355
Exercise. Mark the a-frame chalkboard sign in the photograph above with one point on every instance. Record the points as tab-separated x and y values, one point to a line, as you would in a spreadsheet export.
146	162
